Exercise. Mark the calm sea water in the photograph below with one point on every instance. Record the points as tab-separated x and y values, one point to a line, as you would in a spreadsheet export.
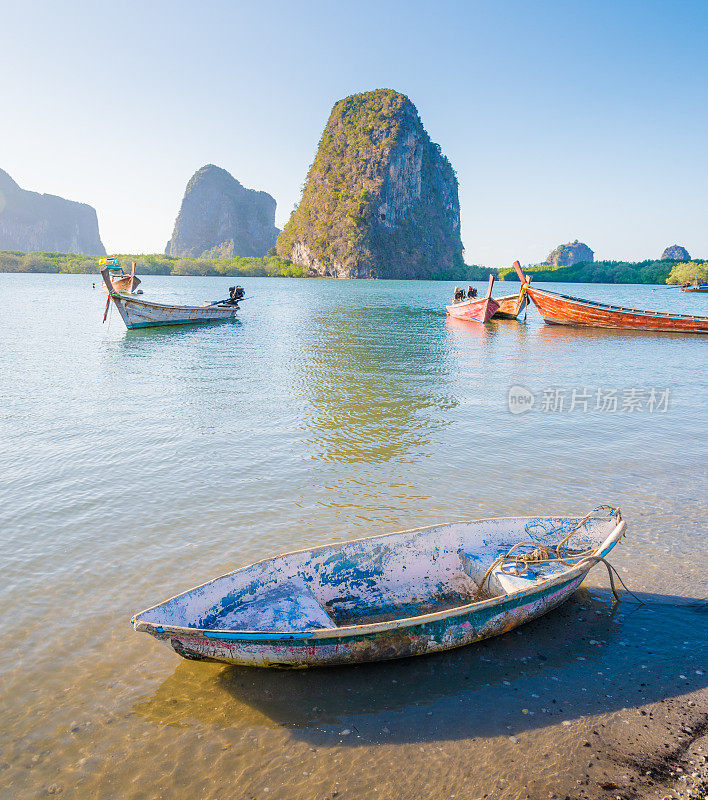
135	464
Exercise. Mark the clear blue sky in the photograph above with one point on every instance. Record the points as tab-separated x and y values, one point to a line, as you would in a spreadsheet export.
563	120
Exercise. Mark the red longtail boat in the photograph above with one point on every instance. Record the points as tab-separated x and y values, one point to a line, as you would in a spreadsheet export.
478	309
560	309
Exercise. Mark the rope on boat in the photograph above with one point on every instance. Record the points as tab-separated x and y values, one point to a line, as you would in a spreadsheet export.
518	564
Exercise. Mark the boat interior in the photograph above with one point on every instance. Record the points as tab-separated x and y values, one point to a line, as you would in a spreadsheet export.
378	579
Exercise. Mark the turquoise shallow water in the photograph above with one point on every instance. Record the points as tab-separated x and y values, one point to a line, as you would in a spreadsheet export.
134	465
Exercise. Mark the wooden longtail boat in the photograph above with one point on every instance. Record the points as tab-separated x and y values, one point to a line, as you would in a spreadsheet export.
512	305
477	309
695	286
388	596
139	313
560	309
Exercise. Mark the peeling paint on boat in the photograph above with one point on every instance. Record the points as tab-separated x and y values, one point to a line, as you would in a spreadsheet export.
379	598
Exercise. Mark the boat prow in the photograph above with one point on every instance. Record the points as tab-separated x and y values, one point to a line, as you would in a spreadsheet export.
511	306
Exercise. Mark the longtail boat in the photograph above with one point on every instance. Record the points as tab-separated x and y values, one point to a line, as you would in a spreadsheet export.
122	282
695	286
476	309
560	309
139	313
387	596
510	306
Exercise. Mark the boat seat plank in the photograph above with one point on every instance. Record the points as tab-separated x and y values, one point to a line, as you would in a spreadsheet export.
286	606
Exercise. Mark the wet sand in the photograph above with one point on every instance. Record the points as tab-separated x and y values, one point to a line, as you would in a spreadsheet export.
585	703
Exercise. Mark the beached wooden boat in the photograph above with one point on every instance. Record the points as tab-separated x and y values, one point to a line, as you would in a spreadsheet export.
139	313
389	596
478	309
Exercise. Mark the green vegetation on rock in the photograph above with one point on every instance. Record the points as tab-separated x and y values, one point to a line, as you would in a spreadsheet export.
380	199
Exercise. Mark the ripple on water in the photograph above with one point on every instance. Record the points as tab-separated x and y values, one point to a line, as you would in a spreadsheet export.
135	465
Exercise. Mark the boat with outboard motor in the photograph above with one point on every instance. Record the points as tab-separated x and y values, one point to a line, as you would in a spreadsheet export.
474	309
140	313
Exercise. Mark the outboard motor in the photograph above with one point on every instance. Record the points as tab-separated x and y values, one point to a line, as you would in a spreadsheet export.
236	293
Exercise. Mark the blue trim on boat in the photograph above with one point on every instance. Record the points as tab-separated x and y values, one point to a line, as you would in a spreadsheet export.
254	637
176	322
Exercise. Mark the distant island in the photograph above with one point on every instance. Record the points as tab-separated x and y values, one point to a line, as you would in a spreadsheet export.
565	255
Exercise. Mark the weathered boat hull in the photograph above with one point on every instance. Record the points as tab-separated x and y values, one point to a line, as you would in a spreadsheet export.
144	314
510	306
139	313
375	599
474	310
477	309
558	309
298	651
124	283
699	288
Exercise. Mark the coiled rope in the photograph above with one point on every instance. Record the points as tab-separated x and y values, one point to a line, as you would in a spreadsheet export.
516	564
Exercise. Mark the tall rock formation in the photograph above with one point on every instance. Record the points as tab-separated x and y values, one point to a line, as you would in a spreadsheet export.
566	254
380	199
33	222
675	253
220	217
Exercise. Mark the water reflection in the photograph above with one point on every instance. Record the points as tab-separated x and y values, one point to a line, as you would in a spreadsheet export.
549	335
585	658
374	378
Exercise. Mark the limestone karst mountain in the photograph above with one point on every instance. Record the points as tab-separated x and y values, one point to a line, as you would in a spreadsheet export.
572	253
380	199
32	222
676	253
220	217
